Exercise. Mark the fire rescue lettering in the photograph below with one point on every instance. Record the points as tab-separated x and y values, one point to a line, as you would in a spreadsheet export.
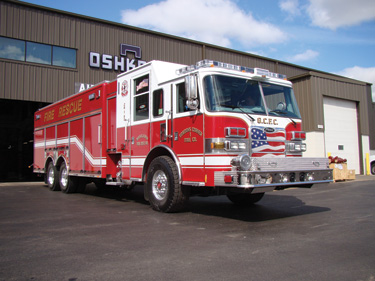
49	115
267	121
69	108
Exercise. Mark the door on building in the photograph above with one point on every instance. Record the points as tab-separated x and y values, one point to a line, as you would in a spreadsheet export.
341	130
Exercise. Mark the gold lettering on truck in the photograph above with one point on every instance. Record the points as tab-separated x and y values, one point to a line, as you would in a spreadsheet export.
49	115
70	108
267	121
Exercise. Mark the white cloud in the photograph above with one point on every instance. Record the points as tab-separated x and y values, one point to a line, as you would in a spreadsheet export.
333	14
305	56
366	74
219	22
12	52
291	7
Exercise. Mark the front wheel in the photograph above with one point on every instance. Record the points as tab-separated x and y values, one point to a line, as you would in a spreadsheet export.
245	199
165	192
68	184
373	168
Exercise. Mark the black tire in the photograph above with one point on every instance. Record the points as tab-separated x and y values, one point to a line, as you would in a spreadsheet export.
165	193
373	168
52	177
68	184
245	199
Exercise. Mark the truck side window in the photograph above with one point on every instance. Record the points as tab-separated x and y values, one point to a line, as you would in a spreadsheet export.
141	99
158	104
181	98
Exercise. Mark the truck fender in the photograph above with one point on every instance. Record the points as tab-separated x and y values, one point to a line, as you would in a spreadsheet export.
159	151
48	160
60	160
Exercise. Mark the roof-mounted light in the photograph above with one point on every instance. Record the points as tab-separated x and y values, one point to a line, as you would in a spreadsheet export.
265	73
211	63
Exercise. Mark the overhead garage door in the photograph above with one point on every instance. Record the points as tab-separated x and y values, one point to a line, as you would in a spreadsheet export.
341	130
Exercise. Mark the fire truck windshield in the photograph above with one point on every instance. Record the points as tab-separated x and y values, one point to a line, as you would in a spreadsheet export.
233	94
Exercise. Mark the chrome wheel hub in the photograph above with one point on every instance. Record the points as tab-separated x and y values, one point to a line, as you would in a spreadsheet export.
64	177
159	185
51	176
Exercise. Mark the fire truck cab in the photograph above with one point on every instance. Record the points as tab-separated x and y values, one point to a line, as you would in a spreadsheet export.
211	128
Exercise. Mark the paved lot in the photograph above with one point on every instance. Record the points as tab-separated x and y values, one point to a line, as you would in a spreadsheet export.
323	233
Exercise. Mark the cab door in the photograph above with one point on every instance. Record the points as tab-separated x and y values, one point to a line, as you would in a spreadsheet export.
188	137
123	122
140	124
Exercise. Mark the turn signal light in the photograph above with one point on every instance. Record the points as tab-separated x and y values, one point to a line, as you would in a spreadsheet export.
217	145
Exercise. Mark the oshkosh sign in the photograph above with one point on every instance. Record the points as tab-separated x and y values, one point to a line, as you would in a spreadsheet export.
118	63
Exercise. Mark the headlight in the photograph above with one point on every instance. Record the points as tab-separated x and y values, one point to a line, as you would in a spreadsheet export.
231	145
217	145
296	147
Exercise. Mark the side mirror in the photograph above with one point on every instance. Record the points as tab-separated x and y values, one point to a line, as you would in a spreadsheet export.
281	106
191	90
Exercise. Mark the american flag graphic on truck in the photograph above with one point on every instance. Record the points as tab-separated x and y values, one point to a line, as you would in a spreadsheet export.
265	143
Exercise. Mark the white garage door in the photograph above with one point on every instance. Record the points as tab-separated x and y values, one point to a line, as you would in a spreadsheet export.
341	130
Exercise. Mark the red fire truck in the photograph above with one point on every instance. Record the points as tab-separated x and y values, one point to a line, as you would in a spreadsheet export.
212	128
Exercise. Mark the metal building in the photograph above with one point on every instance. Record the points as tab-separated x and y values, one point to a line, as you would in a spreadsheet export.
47	54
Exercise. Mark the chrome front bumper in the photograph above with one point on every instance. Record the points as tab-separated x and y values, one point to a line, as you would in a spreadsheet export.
267	174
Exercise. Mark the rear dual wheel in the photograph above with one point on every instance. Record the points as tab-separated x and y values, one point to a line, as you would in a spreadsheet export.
52	178
68	184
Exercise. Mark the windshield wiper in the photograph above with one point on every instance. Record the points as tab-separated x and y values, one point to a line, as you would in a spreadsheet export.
283	113
237	107
278	111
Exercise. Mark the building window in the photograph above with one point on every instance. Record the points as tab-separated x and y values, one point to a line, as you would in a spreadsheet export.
64	57
20	50
38	53
12	49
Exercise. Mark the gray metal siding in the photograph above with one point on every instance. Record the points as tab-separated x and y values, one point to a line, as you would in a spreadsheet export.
304	97
290	70
322	86
48	83
238	58
29	81
372	123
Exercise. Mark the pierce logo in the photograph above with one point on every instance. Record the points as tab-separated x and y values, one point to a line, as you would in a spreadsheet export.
269	130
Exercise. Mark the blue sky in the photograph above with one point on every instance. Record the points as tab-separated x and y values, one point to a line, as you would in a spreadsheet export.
336	36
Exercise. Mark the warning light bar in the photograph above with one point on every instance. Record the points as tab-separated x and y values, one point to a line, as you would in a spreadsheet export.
210	63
